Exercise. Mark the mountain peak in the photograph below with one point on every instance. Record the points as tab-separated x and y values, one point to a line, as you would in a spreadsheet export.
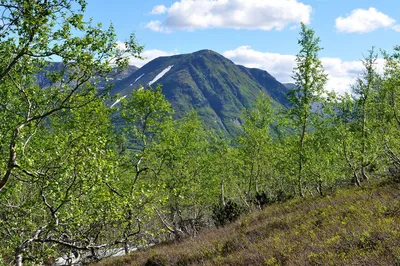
207	82
205	51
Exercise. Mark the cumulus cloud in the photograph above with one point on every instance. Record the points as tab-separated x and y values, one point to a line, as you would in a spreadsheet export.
342	74
363	21
157	26
157	10
147	55
235	14
278	65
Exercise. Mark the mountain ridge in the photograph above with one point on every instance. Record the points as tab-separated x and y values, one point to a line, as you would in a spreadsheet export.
207	82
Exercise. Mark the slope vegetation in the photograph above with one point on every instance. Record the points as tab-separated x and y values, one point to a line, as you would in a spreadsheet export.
350	227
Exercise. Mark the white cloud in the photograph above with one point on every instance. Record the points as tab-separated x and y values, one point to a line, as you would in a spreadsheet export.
341	74
363	21
396	28
147	55
157	10
235	14
157	26
278	65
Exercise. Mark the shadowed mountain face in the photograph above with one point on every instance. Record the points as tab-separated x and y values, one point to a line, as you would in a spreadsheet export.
113	77
209	83
290	85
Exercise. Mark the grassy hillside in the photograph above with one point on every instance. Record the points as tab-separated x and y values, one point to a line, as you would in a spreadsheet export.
350	227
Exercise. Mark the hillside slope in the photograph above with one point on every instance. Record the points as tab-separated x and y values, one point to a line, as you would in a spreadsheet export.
207	82
351	227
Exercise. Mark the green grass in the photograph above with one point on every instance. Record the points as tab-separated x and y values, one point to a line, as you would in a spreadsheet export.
350	227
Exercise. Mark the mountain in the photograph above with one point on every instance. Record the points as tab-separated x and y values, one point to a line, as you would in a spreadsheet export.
117	75
113	77
290	85
120	75
209	83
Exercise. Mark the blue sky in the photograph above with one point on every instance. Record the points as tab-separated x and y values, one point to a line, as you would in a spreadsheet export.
257	33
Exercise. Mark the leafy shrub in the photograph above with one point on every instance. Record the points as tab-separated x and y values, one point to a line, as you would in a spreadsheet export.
223	214
283	196
262	199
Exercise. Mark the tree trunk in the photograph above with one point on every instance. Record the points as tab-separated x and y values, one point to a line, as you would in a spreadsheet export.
176	229
126	247
301	158
223	191
364	145
356	180
12	160
250	181
18	257
319	188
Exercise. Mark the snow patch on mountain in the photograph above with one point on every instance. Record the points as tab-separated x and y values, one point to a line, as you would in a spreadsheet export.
117	101
160	75
138	78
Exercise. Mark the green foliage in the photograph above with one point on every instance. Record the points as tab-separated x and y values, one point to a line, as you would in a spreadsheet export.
255	146
365	93
146	112
388	110
183	171
60	197
54	128
310	79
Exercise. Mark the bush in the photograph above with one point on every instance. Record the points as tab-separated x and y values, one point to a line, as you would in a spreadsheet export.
282	196
394	171
223	214
262	199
